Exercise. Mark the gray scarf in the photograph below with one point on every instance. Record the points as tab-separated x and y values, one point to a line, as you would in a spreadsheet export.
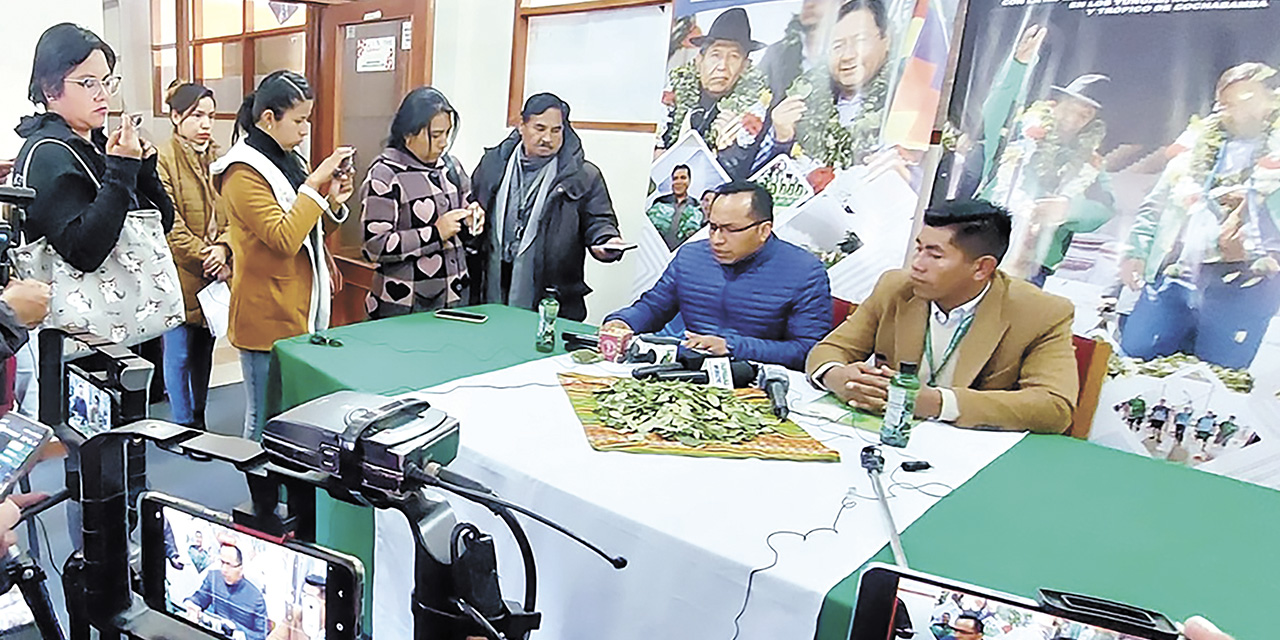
522	196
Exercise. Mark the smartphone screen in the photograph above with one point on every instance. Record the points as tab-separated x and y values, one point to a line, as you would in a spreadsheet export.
20	439
925	610
90	409
199	568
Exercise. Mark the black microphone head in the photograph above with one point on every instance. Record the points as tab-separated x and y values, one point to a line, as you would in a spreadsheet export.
691	360
744	373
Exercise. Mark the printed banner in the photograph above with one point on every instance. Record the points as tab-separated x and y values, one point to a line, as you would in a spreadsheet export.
1136	145
829	103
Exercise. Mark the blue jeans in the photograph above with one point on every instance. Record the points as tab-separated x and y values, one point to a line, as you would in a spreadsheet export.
188	361
255	366
1219	322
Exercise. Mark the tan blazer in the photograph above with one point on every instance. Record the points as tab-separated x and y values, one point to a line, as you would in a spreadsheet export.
1015	369
271	282
199	220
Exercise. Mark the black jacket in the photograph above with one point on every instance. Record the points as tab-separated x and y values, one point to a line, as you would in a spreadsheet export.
578	214
12	334
82	221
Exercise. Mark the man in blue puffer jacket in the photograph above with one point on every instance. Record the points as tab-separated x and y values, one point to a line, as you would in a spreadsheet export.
743	293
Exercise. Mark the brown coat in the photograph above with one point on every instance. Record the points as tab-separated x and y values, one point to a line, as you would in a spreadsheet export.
1015	369
271	282
184	172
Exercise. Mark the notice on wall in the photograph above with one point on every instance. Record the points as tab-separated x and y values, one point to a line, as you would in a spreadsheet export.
376	54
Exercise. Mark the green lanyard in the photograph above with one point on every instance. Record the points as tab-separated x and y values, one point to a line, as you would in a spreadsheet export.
951	348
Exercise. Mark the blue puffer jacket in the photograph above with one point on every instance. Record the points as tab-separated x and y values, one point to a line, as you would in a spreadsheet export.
771	307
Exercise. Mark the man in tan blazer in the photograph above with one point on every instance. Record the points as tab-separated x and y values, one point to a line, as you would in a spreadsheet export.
998	350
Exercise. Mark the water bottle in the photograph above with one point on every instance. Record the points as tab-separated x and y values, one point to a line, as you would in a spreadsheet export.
548	309
900	410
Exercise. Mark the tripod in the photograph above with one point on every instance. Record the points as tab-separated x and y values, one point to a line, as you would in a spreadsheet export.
98	580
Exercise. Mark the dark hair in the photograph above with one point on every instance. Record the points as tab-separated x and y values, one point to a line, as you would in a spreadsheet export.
415	114
981	228
182	97
538	103
279	92
977	624
876	7
682	166
60	49
416	111
239	555
761	199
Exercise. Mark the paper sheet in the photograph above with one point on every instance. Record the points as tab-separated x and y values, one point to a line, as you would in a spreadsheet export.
215	303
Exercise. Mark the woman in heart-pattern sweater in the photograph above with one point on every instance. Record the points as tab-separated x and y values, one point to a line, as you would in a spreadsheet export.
416	219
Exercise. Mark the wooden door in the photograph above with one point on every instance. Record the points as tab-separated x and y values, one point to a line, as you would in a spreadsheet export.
371	54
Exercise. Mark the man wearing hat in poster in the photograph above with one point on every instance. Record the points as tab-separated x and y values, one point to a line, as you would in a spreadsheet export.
1205	245
721	95
1047	171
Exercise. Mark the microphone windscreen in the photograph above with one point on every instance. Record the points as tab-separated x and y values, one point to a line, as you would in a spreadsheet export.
744	373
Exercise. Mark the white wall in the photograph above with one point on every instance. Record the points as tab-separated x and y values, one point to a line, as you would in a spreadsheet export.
19	30
472	65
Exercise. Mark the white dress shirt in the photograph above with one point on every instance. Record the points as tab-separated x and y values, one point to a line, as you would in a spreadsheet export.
942	328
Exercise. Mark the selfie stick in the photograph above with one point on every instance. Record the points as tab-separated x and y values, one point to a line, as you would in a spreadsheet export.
873	462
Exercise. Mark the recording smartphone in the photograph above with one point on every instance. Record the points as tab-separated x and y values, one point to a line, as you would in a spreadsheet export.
346	167
616	247
199	567
20	440
458	314
900	604
91	407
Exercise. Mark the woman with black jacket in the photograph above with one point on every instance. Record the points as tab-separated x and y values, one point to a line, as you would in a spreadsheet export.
72	79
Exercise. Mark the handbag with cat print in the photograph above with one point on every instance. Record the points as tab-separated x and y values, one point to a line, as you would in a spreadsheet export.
133	297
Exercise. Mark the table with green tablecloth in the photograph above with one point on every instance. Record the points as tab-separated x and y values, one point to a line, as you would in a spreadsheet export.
1051	512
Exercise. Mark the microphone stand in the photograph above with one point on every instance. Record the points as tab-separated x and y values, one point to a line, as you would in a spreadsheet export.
873	462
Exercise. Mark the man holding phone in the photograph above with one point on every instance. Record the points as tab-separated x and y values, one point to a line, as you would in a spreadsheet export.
547	205
743	292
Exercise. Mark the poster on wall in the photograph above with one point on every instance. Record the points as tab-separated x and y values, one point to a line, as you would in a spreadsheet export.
1137	147
828	103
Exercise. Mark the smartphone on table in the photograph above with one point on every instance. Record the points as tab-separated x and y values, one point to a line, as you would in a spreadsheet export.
199	567
460	315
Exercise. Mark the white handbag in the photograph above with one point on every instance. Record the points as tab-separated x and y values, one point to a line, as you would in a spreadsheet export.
133	297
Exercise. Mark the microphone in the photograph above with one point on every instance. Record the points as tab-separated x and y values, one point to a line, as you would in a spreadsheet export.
649	371
775	384
740	372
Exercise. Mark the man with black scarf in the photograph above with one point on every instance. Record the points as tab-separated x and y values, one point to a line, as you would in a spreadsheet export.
546	205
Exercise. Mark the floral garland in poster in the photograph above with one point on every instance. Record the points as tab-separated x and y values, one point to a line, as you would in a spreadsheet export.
748	99
1062	167
819	134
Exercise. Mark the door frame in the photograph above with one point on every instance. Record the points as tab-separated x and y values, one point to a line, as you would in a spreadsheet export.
327	31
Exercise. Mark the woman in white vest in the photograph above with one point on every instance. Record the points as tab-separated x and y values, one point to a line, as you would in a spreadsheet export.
284	279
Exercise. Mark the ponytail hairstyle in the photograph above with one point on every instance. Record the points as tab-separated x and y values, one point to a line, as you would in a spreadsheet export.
415	114
182	97
278	92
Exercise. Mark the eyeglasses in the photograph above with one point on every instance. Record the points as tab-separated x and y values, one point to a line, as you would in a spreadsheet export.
325	341
713	227
110	84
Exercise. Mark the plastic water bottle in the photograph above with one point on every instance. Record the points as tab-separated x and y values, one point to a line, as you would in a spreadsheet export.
548	309
900	410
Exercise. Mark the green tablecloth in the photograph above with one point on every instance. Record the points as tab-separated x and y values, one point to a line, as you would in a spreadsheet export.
1051	512
1065	514
389	357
